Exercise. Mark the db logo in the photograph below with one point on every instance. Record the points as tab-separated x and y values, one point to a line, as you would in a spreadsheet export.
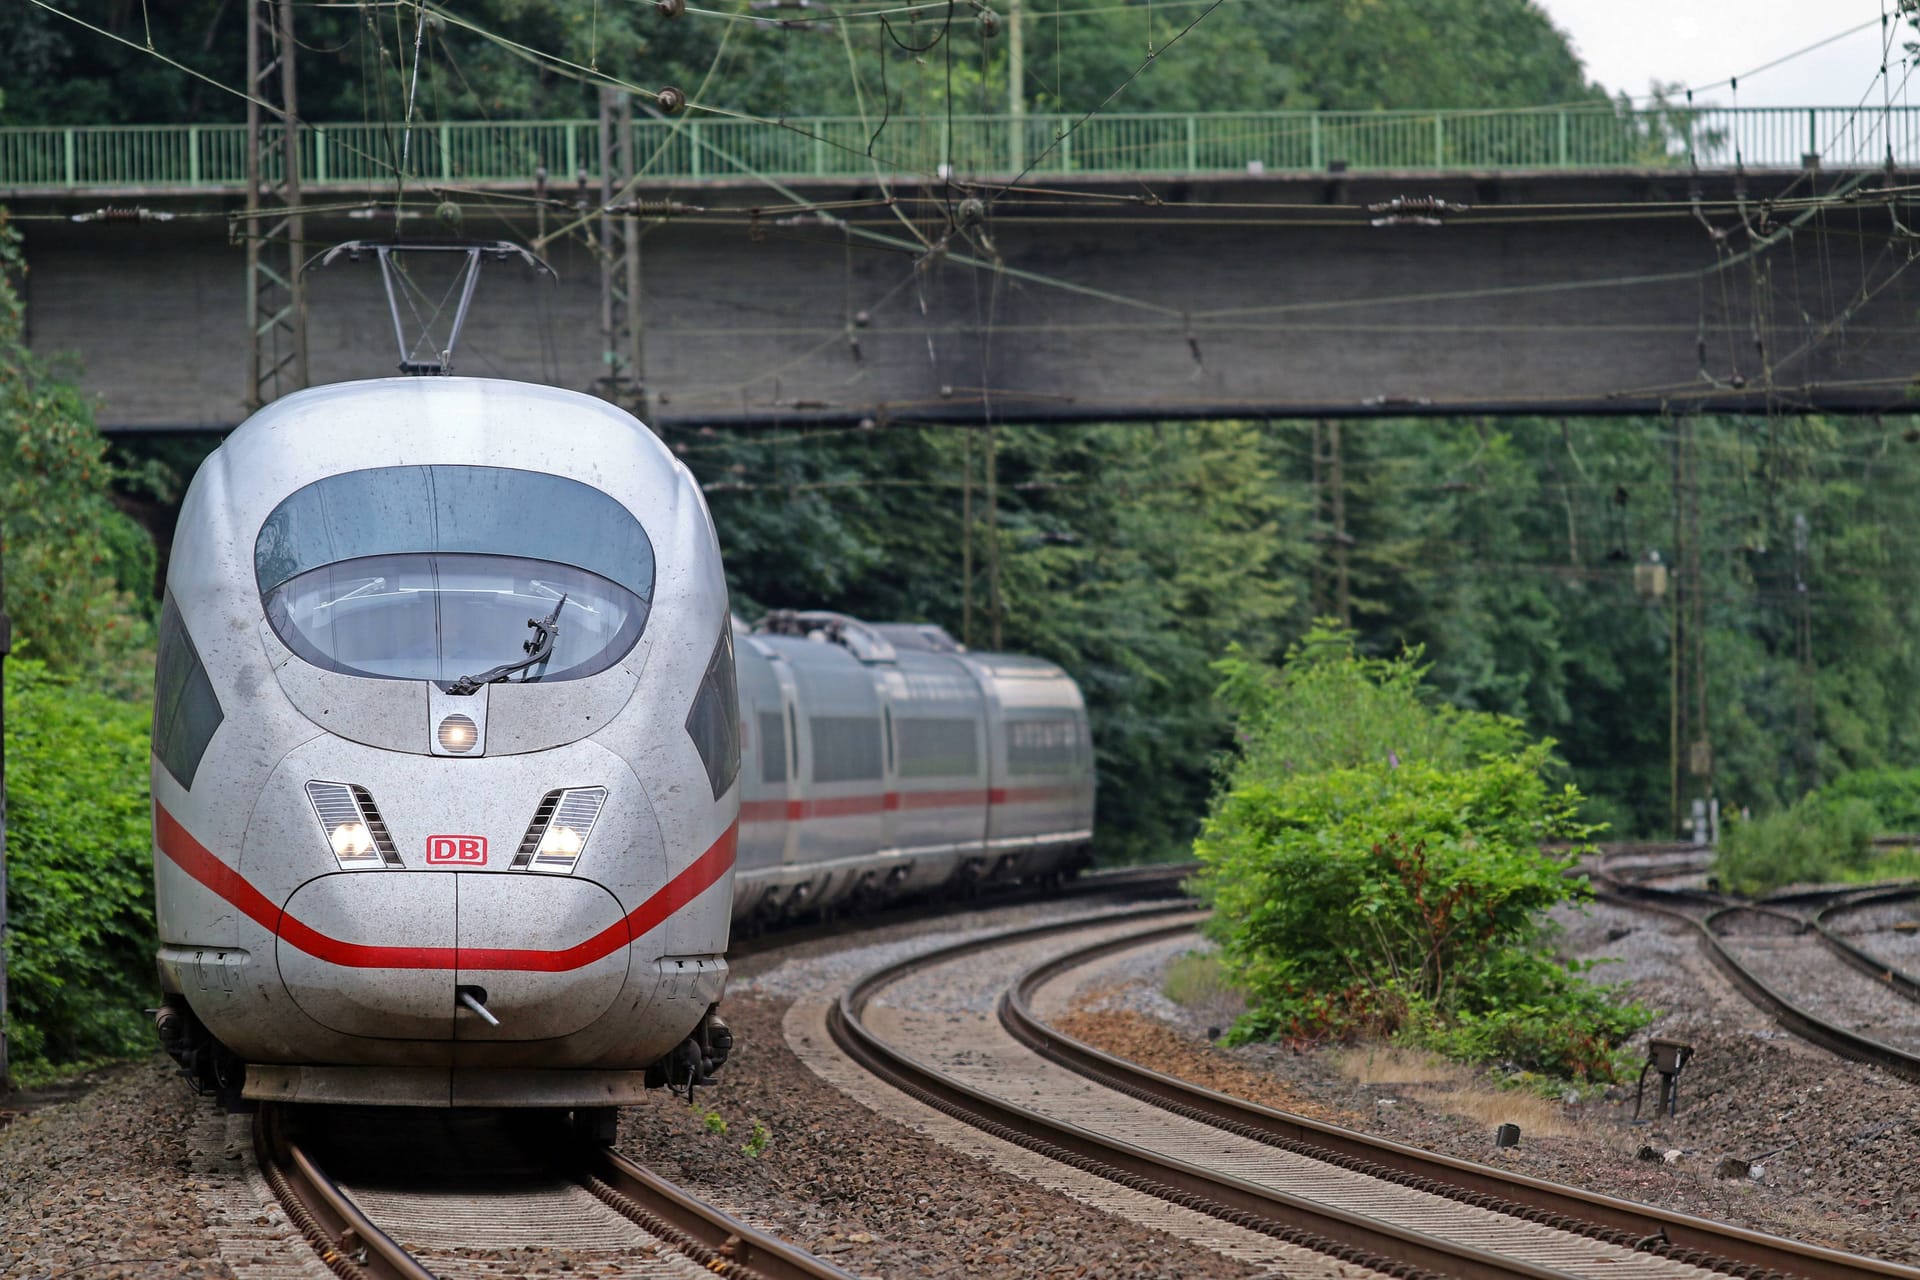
469	851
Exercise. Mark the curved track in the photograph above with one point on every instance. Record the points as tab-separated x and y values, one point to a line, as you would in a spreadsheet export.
592	1201
1677	1236
1374	1204
1709	914
1877	967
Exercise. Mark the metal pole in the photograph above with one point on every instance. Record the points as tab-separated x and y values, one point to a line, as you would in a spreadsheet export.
966	543
1016	86
1673	644
993	540
254	379
6	644
296	224
1337	482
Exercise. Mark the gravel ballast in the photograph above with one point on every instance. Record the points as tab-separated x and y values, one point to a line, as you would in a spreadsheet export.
1831	1142
100	1188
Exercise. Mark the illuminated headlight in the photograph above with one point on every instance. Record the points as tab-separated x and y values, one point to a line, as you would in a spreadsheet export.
560	829
353	827
458	733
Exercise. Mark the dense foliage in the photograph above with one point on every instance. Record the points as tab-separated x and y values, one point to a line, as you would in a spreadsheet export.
80	933
1508	551
1824	836
78	573
355	63
1374	861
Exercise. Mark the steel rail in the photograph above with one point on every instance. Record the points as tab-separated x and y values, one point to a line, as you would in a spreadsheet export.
343	1236
1865	961
1354	1237
1808	1026
1697	1241
722	1244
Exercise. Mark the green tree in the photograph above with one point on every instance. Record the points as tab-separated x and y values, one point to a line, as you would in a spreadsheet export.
79	574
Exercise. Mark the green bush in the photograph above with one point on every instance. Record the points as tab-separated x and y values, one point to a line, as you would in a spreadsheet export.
80	935
1374	863
1893	794
1820	838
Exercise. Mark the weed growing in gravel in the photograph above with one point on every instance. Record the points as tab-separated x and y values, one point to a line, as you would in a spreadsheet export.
756	1144
1374	860
715	1122
1197	980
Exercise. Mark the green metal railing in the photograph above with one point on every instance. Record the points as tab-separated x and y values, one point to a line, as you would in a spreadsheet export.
704	148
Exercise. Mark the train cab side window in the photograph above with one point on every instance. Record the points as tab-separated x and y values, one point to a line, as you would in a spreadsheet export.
714	721
186	711
773	747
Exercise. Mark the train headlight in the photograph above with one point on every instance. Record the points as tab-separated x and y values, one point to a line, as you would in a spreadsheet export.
354	830
458	733
352	841
561	827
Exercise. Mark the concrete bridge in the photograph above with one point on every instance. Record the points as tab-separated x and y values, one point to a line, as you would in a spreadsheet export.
975	269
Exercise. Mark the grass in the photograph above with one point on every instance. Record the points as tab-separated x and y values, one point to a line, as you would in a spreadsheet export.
1458	1090
1197	981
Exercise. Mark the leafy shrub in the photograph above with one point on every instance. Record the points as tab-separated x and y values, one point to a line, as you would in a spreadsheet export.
80	935
1374	863
1893	794
1820	838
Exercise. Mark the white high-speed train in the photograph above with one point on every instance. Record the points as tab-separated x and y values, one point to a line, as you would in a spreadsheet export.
449	801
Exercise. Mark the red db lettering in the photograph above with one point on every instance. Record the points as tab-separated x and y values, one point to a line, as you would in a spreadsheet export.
470	851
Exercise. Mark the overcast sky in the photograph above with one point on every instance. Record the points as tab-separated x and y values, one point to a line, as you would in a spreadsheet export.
1625	44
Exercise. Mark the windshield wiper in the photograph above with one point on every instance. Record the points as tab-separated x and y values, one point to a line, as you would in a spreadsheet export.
538	649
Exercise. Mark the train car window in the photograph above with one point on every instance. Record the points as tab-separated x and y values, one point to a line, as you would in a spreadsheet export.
937	748
886	728
1041	746
773	747
714	721
793	742
186	711
845	748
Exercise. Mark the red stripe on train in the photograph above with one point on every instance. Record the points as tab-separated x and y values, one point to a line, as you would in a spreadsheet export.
178	844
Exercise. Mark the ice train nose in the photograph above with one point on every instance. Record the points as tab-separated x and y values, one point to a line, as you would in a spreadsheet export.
396	955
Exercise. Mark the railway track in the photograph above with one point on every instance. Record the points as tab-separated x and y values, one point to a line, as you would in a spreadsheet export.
586	1207
1362	1201
1758	968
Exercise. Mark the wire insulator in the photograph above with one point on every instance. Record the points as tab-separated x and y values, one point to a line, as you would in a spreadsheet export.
124	213
654	209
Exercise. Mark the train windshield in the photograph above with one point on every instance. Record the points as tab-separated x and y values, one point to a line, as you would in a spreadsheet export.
431	572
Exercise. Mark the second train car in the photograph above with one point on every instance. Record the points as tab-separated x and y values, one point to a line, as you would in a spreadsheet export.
883	760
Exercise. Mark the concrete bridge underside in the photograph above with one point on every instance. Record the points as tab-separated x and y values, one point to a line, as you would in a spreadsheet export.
1255	296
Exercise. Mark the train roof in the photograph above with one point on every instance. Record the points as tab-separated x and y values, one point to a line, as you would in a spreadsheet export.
385	422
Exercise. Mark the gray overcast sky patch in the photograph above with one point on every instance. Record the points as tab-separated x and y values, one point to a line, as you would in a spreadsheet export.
1626	44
